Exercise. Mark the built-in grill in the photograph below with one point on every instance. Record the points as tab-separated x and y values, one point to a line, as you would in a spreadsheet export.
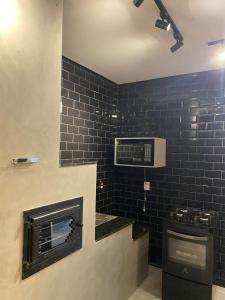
50	233
188	255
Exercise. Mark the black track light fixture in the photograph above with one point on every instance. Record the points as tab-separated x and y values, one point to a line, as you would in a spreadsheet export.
166	23
162	24
176	46
138	3
217	42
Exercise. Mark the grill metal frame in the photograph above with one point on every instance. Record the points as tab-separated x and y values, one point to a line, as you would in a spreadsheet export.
35	260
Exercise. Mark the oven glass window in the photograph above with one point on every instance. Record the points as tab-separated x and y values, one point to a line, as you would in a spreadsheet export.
187	252
55	233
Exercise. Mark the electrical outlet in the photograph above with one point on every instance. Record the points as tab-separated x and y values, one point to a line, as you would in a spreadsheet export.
147	186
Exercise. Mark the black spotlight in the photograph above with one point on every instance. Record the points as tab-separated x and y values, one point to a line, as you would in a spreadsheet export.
138	3
176	46
163	24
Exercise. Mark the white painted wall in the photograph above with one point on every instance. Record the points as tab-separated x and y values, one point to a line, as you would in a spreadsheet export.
30	75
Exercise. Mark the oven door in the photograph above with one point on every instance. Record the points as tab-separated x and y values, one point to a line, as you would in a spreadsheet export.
50	236
188	254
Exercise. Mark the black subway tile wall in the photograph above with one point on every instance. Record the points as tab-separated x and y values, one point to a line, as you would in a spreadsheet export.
188	111
88	121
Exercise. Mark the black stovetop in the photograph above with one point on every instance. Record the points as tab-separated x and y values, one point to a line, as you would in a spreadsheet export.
192	216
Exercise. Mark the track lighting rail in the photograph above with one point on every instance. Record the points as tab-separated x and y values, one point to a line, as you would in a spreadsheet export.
166	22
166	16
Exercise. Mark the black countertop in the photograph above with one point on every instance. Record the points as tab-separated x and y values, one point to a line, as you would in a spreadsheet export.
110	227
114	225
139	230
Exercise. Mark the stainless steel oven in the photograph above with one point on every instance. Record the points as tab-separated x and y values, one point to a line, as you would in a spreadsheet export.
188	255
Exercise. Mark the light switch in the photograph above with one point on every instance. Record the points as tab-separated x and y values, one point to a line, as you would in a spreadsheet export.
147	186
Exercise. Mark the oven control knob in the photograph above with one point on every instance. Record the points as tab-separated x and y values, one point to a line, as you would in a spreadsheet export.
204	220
185	270
179	217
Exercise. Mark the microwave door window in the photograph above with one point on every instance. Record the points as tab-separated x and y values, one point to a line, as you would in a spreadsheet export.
129	153
124	153
136	152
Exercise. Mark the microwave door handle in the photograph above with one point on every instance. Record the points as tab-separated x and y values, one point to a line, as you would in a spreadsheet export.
188	237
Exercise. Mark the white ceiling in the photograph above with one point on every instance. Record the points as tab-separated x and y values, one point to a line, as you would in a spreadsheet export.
120	41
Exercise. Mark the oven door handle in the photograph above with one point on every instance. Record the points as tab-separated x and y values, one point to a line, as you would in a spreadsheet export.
35	218
188	237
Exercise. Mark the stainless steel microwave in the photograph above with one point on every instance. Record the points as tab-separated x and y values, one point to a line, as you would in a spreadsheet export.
140	152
